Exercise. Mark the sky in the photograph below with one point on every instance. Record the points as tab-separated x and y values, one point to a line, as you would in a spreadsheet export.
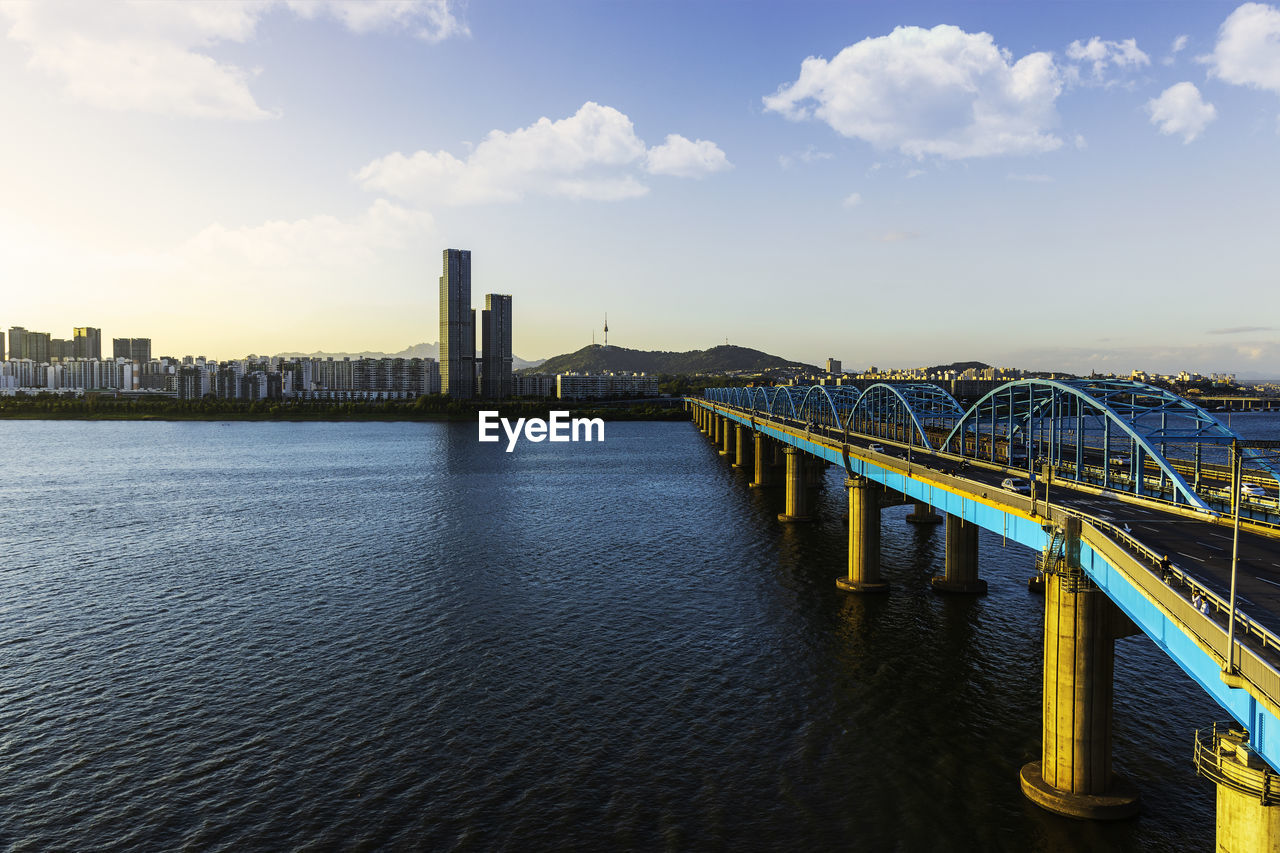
1068	186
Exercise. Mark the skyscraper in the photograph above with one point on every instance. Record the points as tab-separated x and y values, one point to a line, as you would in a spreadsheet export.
87	343
135	349
457	326
17	342
495	345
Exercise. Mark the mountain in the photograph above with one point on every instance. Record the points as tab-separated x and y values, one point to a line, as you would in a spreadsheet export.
721	359
416	351
958	367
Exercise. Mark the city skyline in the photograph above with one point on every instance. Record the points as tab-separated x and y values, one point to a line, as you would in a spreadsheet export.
1075	187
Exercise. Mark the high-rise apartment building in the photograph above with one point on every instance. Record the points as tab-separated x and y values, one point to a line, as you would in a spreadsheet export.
495	346
2	352
457	326
134	349
87	343
17	342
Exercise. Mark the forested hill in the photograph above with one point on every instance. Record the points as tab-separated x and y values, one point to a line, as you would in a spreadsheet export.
721	359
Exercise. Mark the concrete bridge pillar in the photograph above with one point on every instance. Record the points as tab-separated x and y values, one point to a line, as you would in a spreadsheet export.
727	437
1248	818
923	514
962	559
714	432
864	537
742	457
797	500
1073	776
765	473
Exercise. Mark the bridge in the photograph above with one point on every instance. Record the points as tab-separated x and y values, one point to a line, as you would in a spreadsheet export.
1055	465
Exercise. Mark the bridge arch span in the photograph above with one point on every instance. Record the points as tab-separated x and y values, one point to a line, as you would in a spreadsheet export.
904	412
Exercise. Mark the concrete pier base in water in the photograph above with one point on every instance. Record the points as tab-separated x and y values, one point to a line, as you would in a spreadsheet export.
1074	776
743	447
796	479
962	559
864	538
765	473
923	514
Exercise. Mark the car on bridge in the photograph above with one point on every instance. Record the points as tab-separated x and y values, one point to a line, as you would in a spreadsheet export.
876	448
1249	490
1016	484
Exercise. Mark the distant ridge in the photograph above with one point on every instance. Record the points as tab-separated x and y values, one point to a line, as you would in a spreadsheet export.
423	350
722	359
958	366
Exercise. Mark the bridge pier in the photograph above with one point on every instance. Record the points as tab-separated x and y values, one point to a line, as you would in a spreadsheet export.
1248	816
797	499
962	559
1074	776
743	457
727	437
864	537
923	514
765	473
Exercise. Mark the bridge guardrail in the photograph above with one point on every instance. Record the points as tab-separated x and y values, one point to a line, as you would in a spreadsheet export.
1254	640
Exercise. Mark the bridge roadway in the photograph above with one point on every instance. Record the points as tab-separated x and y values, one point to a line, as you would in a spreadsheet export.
1124	538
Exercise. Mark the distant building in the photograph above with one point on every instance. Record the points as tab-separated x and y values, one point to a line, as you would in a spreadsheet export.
457	326
495	344
586	386
533	385
834	366
87	343
134	349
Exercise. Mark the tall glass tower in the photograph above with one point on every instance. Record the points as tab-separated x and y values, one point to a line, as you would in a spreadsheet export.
457	326
495	345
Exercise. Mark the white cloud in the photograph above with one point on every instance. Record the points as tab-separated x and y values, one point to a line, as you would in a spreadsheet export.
914	173
301	247
941	92
684	159
809	155
1030	179
149	56
1102	54
1180	109
1178	45
429	20
593	154
852	200
1247	52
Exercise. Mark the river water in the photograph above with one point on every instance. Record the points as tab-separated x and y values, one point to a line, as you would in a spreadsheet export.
270	636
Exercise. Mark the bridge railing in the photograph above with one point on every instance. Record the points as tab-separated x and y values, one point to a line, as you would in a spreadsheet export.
1259	513
1173	588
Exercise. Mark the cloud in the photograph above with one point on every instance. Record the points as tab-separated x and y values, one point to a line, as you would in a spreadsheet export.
852	200
593	154
1104	54
301	247
1180	109
940	92
1239	330
1030	179
808	155
150	56
1247	52
429	20
684	159
914	173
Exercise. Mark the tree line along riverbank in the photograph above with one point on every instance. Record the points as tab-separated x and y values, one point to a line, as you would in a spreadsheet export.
431	408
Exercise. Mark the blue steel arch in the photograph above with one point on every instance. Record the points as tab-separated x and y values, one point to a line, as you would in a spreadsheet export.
827	405
904	412
1108	432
